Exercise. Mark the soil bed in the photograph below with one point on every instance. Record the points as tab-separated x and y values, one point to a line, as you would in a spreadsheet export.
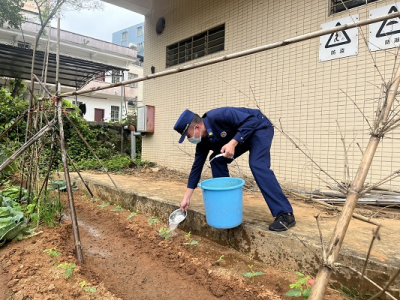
127	259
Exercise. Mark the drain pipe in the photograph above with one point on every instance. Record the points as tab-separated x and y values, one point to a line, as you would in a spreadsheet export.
133	141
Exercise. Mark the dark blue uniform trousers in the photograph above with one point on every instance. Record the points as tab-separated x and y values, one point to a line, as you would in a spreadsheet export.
258	145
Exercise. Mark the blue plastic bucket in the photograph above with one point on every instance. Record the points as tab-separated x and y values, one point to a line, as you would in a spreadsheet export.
223	201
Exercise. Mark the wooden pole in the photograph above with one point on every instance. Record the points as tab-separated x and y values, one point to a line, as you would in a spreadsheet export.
75	228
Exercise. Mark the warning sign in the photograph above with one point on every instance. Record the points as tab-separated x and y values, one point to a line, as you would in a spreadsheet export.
385	34
341	43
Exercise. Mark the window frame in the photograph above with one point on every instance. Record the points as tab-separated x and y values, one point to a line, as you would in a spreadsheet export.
114	112
334	4
139	31
124	36
196	46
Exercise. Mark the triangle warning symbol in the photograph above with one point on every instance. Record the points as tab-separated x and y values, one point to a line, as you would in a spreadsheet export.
393	26
338	38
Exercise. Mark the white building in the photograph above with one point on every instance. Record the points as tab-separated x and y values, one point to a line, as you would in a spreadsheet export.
85	62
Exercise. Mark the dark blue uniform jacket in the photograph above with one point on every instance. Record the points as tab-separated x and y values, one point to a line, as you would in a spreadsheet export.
224	124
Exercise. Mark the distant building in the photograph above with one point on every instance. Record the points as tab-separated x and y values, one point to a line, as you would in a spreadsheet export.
131	37
85	63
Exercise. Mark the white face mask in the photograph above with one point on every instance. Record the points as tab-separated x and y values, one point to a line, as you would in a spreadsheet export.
194	139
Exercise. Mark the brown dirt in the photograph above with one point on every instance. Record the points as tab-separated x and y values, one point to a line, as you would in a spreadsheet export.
127	259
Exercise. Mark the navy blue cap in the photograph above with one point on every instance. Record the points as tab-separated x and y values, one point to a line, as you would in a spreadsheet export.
183	123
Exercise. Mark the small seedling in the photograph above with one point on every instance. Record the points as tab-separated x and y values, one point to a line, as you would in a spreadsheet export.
117	208
133	214
94	199
89	289
220	259
302	287
52	252
86	287
104	205
153	220
165	232
68	267
190	241
252	274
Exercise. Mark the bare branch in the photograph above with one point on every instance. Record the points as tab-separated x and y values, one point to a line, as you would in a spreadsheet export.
382	181
346	159
375	235
386	287
365	277
307	155
359	147
347	96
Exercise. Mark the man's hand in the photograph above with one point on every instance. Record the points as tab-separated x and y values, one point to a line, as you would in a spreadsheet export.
185	203
229	149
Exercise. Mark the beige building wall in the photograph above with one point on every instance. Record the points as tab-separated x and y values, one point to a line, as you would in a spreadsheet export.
312	101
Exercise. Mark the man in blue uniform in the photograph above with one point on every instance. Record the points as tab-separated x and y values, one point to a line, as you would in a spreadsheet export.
234	131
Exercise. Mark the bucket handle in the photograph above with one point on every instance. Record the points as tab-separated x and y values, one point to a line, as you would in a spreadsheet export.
219	155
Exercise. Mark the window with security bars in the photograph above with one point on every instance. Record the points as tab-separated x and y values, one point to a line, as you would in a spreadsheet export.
114	113
341	5
116	76
207	42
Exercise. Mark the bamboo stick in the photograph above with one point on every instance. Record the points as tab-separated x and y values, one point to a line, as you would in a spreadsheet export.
68	184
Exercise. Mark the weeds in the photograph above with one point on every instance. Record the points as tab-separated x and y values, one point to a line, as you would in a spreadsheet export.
302	287
252	274
353	293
